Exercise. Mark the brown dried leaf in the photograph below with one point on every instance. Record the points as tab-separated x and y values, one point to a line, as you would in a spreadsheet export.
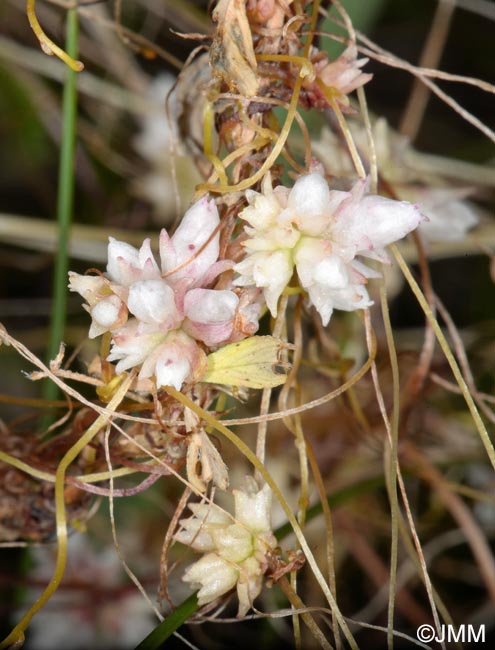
232	54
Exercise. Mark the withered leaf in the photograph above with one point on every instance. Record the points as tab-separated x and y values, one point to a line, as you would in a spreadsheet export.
232	54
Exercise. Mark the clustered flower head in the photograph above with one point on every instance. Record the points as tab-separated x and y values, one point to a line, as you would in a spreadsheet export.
236	549
337	78
320	233
448	215
162	317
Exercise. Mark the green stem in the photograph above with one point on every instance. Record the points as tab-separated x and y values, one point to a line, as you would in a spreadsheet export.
65	201
172	623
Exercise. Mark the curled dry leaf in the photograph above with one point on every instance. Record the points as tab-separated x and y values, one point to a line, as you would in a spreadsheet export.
232	54
201	451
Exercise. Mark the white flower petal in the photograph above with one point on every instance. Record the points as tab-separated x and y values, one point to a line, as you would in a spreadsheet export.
168	256
262	209
210	306
272	272
196	530
153	301
147	263
212	514
248	588
178	358
234	543
215	575
364	224
309	253
353	297
309	199
132	347
106	311
90	287
195	229
332	272
364	271
254	510
126	264
210	314
449	218
171	369
107	314
321	298
122	260
344	74
316	264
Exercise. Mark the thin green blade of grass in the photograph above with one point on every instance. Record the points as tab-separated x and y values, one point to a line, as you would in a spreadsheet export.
65	201
172	623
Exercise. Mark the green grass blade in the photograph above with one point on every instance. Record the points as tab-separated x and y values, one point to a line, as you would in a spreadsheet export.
172	623
65	200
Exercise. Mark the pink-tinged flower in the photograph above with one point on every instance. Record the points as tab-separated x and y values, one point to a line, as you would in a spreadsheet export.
171	357
161	316
448	215
236	548
335	78
107	310
126	264
209	315
319	232
196	232
247	315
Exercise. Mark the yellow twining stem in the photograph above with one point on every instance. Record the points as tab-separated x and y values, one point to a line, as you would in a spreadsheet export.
47	45
306	69
16	637
208	126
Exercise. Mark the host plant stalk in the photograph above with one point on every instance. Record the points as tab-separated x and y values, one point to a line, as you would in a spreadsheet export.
65	201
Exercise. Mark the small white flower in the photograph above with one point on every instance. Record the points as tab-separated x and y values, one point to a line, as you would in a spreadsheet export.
196	531
344	74
448	216
319	232
73	618
195	230
126	264
107	314
107	310
157	137
341	77
209	314
236	548
160	316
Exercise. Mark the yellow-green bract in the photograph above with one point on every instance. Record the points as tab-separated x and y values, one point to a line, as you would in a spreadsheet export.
250	363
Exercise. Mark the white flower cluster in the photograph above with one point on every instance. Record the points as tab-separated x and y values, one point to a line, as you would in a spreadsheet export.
163	319
320	233
449	215
339	77
159	316
236	548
